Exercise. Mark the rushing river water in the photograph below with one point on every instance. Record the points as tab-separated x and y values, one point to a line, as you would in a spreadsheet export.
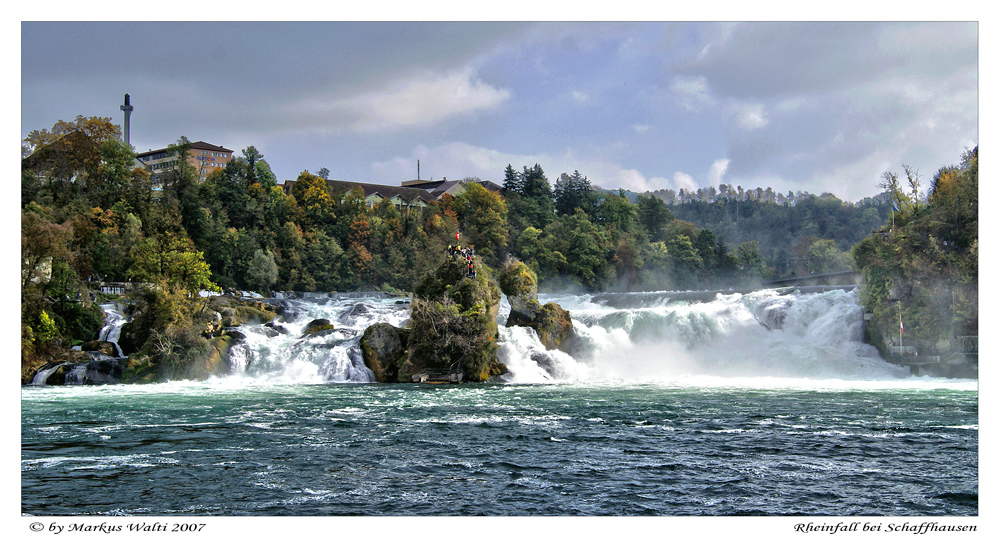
762	405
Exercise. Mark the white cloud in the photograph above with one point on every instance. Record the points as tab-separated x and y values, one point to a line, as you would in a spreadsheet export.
420	100
748	116
458	160
641	128
691	93
684	181
579	96
632	180
455	160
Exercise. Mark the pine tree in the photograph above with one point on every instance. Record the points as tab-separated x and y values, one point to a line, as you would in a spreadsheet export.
513	181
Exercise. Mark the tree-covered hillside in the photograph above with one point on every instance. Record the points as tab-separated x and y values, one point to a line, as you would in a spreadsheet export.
922	268
796	233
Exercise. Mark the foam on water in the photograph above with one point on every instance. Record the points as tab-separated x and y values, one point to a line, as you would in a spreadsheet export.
281	354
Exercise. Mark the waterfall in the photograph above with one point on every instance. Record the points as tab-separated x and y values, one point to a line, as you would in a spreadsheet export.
760	334
280	353
114	320
42	375
617	337
630	337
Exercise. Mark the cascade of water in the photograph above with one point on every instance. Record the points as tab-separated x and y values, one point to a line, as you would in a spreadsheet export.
42	375
528	361
113	322
641	337
280	352
762	334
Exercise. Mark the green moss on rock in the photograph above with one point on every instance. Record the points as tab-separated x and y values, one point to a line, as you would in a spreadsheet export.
519	281
140	370
452	323
552	323
382	346
316	326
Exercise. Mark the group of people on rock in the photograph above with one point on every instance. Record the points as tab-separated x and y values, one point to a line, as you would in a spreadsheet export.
468	253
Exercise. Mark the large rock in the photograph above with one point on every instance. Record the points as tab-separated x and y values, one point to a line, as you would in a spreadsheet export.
553	325
216	361
550	321
382	347
152	310
519	284
100	346
235	312
452	326
317	325
103	370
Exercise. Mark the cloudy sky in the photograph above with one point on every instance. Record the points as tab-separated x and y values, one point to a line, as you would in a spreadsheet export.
819	107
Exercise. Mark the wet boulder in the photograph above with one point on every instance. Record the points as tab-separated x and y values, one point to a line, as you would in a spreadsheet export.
229	311
216	359
317	325
553	325
100	346
382	347
550	321
102	371
278	329
355	311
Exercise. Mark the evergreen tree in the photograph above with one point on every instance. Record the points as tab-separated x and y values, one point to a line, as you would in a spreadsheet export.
654	216
573	191
513	181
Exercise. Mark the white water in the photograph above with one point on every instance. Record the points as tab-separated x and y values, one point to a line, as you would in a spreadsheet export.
759	340
755	336
113	322
42	375
288	357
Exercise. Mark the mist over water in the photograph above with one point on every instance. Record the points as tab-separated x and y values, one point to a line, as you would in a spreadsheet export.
758	335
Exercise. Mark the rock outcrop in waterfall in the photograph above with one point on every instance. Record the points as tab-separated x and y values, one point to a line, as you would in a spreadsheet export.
552	323
452	329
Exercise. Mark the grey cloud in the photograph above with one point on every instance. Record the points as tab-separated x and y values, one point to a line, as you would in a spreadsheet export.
239	69
764	60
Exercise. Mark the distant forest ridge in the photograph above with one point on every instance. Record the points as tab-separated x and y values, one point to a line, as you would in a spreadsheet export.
728	192
785	227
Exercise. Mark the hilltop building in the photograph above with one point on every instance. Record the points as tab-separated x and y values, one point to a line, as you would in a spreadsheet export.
204	157
402	197
439	188
412	194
